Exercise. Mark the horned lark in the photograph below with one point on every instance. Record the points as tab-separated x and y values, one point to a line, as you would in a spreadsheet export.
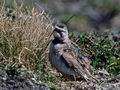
65	57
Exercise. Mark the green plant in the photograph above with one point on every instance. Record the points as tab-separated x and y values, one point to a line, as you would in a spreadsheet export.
101	49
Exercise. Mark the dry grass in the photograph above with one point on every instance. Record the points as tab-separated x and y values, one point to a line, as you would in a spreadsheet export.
24	38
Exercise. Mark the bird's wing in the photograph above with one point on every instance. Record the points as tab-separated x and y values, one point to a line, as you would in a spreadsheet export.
76	49
69	57
76	64
72	59
82	59
73	52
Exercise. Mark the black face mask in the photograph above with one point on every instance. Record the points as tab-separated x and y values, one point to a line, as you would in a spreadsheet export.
57	30
56	41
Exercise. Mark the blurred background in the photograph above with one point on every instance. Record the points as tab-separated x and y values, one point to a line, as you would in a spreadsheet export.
88	15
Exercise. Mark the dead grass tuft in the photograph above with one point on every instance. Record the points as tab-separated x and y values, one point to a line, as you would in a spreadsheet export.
23	37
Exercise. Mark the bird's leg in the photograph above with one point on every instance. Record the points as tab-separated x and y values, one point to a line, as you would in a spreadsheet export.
60	75
86	78
92	78
74	78
63	78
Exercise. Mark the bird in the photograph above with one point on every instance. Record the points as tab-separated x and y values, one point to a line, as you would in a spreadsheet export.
65	57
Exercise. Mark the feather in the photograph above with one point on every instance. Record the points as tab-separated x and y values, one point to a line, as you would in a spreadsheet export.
66	57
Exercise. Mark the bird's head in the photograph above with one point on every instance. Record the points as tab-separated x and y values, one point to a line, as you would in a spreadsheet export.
60	32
